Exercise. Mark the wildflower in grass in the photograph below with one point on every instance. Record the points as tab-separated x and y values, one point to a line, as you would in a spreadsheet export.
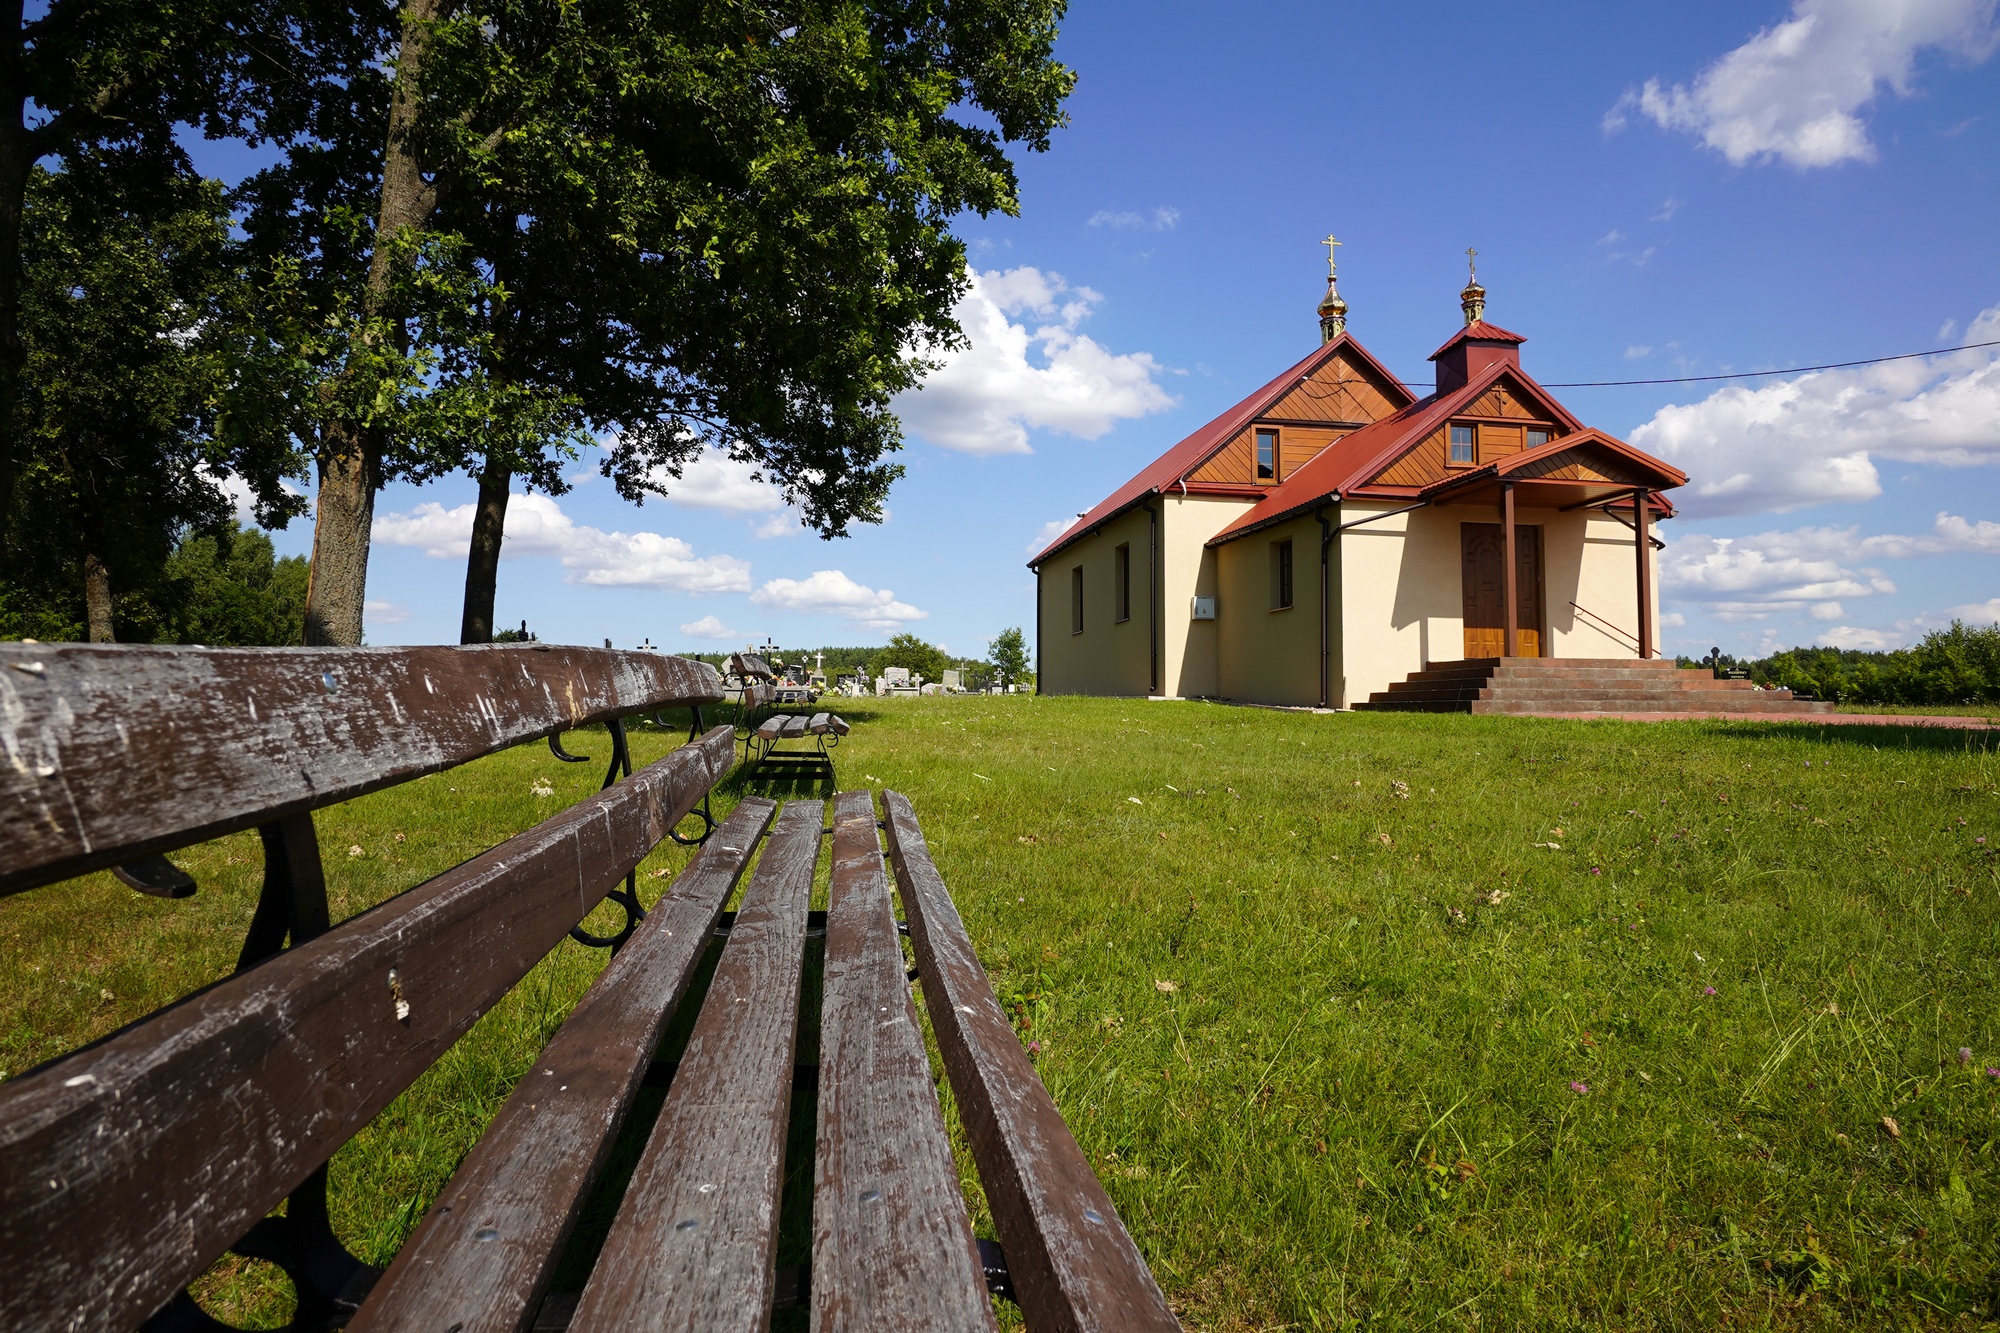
1166	987
1580	1089
1965	1055
1981	841
1034	1048
1597	870
1991	1072
1708	990
354	850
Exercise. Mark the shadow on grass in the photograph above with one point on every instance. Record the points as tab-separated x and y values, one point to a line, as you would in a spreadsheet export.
1885	736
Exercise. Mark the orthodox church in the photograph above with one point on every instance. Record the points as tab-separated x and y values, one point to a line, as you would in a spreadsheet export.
1332	534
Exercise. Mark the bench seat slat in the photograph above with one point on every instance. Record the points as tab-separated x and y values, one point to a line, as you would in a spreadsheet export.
130	1165
771	728
892	1245
694	1243
1072	1263
795	726
254	734
483	1256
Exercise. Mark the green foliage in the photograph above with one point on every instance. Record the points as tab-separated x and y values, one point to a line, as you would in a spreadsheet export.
1009	655
134	336
1959	665
223	587
907	650
227	589
719	227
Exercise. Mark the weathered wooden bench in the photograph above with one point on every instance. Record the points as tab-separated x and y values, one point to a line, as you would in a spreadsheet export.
771	760
129	1166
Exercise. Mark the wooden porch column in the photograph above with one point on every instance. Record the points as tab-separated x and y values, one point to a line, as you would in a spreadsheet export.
1640	525
1511	640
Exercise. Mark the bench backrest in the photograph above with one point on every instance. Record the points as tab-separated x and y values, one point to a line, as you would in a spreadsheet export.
118	1181
114	751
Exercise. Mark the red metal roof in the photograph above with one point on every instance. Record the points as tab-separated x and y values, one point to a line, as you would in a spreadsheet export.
1481	331
1349	463
1175	464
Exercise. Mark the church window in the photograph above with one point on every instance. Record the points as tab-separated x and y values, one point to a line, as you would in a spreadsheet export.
1267	455
1537	436
1281	575
1122	559
1076	600
1461	446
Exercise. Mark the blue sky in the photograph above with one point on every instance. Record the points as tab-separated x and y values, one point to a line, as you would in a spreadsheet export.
1653	191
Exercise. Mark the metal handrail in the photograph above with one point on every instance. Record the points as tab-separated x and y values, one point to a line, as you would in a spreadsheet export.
1598	622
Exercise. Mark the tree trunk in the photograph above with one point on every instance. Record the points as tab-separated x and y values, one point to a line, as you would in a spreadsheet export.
97	598
482	565
344	512
17	156
350	467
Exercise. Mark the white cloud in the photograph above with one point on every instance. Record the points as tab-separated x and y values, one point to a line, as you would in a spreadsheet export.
1793	90
1670	620
1668	208
1637	351
1162	218
985	399
714	480
1814	439
537	526
241	498
781	524
1863	640
831	593
384	613
1051	530
1611	237
709	627
1809	569
1977	613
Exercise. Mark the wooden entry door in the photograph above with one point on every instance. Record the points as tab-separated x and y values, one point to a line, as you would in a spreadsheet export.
1482	549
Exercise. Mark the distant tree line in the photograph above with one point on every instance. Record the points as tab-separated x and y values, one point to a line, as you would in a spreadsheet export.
1006	662
487	234
1950	666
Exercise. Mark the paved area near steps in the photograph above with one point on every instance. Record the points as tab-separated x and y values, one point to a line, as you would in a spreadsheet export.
1944	721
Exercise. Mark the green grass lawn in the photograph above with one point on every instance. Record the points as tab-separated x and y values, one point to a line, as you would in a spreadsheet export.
1426	1021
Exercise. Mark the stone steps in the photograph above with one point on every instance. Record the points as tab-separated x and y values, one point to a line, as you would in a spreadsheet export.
1578	685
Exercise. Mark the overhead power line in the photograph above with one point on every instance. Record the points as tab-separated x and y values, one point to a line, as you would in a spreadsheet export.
1758	374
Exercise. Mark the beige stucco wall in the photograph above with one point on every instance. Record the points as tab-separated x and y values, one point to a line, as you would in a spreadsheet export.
1269	656
1190	646
1404	603
1606	584
1110	656
1400	600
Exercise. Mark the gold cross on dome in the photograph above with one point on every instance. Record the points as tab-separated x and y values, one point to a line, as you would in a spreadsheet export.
1330	243
1471	265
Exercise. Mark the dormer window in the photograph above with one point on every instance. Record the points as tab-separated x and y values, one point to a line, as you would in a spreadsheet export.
1267	455
1537	436
1461	446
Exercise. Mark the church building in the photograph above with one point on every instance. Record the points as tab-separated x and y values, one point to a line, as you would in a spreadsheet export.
1332	534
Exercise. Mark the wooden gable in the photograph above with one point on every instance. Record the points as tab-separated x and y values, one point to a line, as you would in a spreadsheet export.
1342	395
1345	391
1588	461
1500	419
